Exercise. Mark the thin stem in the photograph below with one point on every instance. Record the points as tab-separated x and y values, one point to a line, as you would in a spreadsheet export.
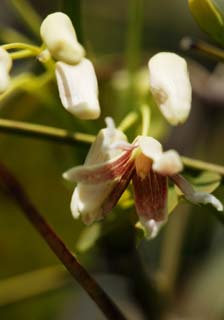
77	271
22	54
202	165
146	115
64	136
201	46
20	45
44	132
28	15
128	121
135	19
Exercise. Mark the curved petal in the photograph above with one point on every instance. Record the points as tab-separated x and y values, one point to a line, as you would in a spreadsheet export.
150	147
195	196
168	164
87	201
151	196
99	173
118	188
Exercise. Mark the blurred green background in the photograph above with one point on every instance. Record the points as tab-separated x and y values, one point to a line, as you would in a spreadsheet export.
187	257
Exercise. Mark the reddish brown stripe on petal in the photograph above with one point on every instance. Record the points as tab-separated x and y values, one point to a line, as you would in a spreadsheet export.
119	188
150	196
102	173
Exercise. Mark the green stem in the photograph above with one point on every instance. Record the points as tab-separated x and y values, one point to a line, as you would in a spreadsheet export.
68	137
135	19
28	15
22	54
44	132
202	165
128	121
201	46
16	191
146	115
20	45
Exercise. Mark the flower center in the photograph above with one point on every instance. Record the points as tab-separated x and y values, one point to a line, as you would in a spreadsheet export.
142	165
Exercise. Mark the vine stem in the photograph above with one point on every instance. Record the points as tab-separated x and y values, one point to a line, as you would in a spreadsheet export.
201	46
16	191
68	137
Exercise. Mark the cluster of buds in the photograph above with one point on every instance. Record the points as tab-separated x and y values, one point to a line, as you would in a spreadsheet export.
76	79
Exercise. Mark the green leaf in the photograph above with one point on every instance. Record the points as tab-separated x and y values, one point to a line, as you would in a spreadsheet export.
210	17
207	181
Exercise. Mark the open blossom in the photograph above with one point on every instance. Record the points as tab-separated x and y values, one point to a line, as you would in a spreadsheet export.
5	66
170	86
76	78
110	166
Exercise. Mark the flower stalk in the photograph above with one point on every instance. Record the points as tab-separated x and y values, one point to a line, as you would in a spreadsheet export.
64	136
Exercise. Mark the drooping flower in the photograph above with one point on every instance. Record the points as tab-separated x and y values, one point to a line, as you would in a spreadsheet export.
76	78
5	66
78	89
110	166
170	86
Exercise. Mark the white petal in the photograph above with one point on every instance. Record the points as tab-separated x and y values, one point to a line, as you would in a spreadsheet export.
150	147
195	196
60	38
5	66
170	86
78	89
168	164
87	201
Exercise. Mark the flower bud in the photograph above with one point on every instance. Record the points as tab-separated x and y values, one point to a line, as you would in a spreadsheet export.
60	38
78	89
170	86
209	18
5	66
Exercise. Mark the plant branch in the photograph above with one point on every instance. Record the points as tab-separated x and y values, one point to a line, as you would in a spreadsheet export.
43	132
202	165
203	47
91	287
68	137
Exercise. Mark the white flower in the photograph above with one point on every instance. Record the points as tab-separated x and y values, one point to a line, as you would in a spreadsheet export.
60	38
5	66
87	199
78	89
170	86
102	180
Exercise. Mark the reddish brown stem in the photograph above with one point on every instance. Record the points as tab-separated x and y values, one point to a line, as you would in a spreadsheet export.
97	294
